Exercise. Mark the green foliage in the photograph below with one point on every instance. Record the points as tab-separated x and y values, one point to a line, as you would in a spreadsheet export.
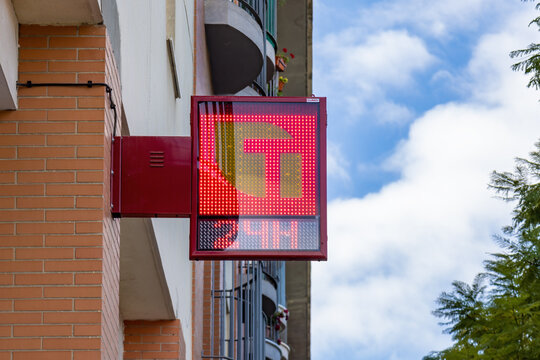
497	317
529	58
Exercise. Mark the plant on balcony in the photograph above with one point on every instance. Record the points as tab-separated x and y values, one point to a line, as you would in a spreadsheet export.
281	83
282	59
280	317
279	323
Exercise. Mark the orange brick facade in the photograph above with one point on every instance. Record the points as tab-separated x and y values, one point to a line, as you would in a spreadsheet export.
59	247
197	301
111	328
153	340
208	301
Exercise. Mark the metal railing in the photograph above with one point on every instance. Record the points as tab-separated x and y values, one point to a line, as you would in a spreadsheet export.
271	22
259	10
255	8
271	332
236	326
259	84
265	13
271	86
272	269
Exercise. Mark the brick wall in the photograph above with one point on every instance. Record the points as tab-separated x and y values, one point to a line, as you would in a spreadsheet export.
153	340
111	329
58	244
209	331
197	300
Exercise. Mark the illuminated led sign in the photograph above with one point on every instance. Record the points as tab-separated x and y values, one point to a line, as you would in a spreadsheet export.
259	178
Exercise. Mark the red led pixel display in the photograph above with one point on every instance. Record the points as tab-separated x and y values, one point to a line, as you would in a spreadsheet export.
260	178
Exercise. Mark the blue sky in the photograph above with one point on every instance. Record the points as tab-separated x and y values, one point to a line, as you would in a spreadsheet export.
422	106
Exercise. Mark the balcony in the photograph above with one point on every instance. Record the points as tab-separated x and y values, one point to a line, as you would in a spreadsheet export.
276	335
272	350
238	327
240	36
270	272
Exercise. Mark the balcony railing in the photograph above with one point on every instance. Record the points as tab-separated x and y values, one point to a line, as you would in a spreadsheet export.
270	89
271	332
272	269
265	13
271	22
256	8
236	325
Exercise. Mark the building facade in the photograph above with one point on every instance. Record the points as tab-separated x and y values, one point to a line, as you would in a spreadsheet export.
76	283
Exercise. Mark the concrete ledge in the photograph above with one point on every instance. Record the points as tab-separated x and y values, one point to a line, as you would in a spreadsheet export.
247	91
58	12
272	350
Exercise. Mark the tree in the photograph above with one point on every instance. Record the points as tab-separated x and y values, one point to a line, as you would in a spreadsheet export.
464	310
530	58
498	316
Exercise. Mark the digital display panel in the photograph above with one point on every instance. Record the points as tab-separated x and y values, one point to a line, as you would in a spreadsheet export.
259	177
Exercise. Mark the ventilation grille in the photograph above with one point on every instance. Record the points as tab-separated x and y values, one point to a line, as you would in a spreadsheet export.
157	158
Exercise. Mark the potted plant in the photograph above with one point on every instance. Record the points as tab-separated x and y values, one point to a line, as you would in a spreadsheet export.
280	317
281	83
282	59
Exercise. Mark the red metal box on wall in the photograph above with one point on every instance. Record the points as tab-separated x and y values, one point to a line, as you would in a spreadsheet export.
151	176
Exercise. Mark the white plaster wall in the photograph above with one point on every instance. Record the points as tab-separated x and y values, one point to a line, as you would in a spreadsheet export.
9	32
151	109
184	45
147	86
173	242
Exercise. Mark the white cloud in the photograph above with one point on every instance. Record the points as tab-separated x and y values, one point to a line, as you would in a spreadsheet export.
378	48
388	112
431	18
427	18
337	164
391	253
387	58
360	70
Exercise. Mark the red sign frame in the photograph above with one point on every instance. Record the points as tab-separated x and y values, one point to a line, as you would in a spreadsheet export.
317	106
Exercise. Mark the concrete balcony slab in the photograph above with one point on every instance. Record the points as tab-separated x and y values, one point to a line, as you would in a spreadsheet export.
235	46
270	61
269	297
58	12
247	91
272	350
